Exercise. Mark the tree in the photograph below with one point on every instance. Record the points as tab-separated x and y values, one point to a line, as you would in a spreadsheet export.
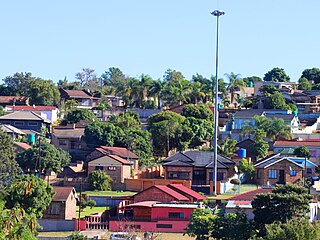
200	224
51	158
235	82
268	89
173	75
312	74
293	229
302	151
276	75
260	149
201	111
284	203
30	193
88	78
202	130
246	168
113	77
252	79
304	84
92	203
43	92
232	226
127	120
100	180
78	236
278	129
76	115
102	134
156	91
228	147
276	101
9	168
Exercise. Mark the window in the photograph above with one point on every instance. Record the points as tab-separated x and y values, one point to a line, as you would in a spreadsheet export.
164	225
309	170
178	175
176	215
19	123
63	142
32	124
98	168
111	168
272	173
293	173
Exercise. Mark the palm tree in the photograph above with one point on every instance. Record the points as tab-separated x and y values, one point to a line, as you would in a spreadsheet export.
278	130
146	83
196	92
235	82
228	147
155	91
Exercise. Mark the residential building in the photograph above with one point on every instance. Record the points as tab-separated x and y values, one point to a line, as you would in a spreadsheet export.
315	100
282	86
116	167
69	138
13	100
153	216
197	166
118	151
63	205
247	144
84	98
12	131
50	112
20	146
26	121
312	144
243	201
279	170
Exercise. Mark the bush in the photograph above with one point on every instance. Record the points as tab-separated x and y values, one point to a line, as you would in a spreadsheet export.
92	203
235	181
100	180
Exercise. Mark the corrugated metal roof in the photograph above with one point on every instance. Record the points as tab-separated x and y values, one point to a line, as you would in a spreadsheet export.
186	191
171	192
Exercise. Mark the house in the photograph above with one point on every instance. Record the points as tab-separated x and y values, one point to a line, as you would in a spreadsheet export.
13	100
282	86
20	146
315	100
116	167
189	193
63	205
26	121
50	112
154	216
12	131
68	137
243	201
247	145
118	151
84	98
197	166
312	144
279	170
301	100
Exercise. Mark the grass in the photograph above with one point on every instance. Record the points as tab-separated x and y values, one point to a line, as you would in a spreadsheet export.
160	236
243	188
54	234
109	193
88	211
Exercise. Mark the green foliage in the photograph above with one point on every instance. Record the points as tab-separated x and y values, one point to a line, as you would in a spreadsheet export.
200	111
316	86
302	151
312	74
200	224
294	230
91	203
128	120
276	75
235	83
284	203
246	168
51	158
232	226
247	103
100	180
76	115
252	79
268	89
202	130
9	168
77	236
83	204
103	105
102	134
276	101
304	84
260	149
228	147
30	193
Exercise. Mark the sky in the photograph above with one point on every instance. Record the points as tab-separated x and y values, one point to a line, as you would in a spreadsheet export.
56	39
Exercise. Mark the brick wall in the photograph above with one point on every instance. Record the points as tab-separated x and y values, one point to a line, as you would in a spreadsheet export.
167	169
283	165
153	194
141	184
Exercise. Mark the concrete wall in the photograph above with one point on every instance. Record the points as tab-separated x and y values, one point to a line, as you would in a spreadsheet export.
51	225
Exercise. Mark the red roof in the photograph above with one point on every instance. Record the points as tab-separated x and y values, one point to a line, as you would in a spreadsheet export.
119	151
22	145
297	143
9	99
249	196
171	192
143	204
62	193
186	191
77	93
121	160
32	108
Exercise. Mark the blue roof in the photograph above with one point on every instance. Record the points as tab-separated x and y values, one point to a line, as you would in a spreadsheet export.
301	162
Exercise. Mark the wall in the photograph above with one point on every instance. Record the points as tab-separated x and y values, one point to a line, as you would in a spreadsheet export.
153	194
52	225
167	169
163	212
177	226
138	185
71	207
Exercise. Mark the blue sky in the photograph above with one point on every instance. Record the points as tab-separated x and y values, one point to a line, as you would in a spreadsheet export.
54	39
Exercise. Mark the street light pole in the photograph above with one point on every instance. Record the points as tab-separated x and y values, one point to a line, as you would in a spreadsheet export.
216	13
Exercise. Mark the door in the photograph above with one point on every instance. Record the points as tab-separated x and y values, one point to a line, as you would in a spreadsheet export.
281	176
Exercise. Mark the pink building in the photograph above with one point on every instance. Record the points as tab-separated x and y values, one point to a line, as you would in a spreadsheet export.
153	216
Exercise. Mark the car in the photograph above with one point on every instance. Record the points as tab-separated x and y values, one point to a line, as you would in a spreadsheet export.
124	236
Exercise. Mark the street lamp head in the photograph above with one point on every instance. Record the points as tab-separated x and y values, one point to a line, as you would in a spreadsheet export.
217	13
